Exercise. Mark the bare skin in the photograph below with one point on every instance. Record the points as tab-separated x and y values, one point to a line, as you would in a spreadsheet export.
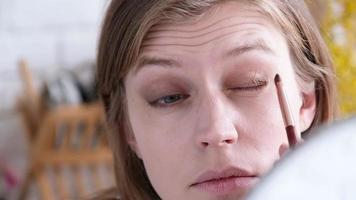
203	105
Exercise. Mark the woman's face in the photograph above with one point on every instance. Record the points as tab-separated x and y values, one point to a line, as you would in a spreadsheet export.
203	108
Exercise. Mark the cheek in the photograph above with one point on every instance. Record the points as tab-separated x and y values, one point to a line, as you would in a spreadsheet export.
261	111
162	156
158	138
262	128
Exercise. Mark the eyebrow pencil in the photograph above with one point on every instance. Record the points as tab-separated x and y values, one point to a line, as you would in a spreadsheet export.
286	112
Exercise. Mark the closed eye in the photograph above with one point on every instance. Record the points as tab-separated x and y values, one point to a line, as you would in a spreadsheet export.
254	86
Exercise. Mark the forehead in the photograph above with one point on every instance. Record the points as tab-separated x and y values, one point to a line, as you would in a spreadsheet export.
216	19
224	26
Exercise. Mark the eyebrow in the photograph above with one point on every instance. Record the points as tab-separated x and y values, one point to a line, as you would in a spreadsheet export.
258	44
236	51
148	60
145	61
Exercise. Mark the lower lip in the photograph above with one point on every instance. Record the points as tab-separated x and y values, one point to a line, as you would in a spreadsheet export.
227	185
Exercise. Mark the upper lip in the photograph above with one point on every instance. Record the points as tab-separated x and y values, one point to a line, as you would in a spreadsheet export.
212	175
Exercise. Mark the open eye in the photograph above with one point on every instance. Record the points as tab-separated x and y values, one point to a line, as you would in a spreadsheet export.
168	100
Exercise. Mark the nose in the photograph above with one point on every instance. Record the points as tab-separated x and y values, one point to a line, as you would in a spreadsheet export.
215	126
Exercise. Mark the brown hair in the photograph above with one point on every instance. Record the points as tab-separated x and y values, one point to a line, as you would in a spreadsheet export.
125	26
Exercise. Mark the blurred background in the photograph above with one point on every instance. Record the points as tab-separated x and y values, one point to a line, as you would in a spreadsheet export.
50	122
47	57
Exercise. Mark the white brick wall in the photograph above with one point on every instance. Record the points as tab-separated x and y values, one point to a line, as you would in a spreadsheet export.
49	34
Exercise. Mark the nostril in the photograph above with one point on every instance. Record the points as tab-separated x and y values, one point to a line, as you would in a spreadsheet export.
229	141
222	142
205	144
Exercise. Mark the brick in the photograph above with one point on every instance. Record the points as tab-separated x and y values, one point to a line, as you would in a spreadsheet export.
39	49
9	92
78	47
50	14
49	34
11	86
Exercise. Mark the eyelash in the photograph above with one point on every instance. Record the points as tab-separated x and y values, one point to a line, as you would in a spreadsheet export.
257	85
157	103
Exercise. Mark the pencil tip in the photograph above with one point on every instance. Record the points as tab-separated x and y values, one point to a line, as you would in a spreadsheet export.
277	78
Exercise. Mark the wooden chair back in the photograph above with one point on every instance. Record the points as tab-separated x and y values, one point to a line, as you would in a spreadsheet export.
29	104
71	138
64	143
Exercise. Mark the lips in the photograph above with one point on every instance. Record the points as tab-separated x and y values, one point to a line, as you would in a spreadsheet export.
229	180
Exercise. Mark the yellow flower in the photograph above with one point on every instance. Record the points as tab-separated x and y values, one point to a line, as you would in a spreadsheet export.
339	28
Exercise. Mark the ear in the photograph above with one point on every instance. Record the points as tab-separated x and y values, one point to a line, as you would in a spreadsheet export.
131	140
307	109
